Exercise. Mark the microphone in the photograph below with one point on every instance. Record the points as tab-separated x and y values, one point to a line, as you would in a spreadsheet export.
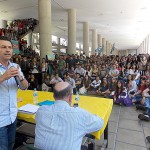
17	80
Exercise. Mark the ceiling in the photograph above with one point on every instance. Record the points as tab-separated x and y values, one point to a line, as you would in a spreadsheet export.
123	22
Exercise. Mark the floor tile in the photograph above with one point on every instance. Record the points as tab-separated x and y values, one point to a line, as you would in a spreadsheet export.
124	146
129	115
145	123
112	126
146	131
130	124
131	137
111	140
130	109
116	109
114	117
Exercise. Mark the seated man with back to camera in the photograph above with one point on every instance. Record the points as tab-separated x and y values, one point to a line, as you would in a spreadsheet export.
62	127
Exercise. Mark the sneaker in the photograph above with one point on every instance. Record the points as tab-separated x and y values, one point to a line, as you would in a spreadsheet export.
145	113
144	117
148	138
141	107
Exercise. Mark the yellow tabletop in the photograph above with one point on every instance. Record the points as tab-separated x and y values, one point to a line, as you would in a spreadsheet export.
99	106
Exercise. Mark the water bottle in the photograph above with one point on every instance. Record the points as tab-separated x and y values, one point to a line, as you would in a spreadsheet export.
35	96
77	98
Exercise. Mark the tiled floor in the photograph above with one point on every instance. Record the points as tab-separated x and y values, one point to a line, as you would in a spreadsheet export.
126	131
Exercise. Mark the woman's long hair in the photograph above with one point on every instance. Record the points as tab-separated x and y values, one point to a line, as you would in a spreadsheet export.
118	92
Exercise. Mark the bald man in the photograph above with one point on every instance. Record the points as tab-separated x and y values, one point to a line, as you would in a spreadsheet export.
62	127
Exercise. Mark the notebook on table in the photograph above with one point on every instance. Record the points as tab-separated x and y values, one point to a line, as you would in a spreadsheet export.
28	109
46	102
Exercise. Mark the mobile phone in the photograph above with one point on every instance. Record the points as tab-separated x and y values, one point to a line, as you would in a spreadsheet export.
75	105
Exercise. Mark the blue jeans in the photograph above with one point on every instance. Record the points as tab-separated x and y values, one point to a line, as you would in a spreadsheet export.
138	98
7	136
147	105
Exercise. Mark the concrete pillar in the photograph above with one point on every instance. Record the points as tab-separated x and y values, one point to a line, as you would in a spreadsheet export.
127	52
94	41
86	38
29	39
110	47
44	12
104	45
58	49
107	48
99	40
3	23
71	31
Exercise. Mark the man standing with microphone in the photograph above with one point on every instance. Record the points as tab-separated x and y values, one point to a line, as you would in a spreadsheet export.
11	78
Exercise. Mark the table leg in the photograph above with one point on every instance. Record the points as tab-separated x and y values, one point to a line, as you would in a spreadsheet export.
105	143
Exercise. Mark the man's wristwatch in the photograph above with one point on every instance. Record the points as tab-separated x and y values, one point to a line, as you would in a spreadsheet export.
21	79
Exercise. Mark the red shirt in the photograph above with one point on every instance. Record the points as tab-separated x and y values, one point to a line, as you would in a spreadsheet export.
142	88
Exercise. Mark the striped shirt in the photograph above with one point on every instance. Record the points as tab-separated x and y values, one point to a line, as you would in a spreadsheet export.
8	97
61	127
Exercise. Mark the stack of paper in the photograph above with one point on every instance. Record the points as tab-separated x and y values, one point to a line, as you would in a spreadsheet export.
28	109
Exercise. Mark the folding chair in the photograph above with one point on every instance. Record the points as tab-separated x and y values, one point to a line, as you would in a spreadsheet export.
30	146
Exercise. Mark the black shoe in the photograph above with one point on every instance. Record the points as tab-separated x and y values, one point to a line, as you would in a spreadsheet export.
148	138
141	107
144	117
146	113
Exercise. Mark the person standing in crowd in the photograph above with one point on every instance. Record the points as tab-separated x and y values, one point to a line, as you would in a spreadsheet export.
61	66
62	123
8	92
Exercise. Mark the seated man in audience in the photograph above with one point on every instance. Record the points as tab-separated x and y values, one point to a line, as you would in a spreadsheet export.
80	70
71	81
95	84
78	81
114	72
62	127
146	96
55	80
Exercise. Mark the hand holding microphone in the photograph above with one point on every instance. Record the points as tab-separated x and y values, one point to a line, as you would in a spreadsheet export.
11	72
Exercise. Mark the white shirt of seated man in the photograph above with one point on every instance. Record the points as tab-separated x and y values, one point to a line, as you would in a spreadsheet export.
62	127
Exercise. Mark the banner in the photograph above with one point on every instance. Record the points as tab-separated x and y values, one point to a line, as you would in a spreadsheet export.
15	45
50	56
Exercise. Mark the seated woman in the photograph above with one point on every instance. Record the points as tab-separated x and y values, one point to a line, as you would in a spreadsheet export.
94	72
112	87
86	85
131	85
33	83
146	72
137	97
134	71
103	89
123	74
46	83
121	95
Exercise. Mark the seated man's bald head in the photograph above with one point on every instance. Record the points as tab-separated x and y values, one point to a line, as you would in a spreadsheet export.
61	86
62	90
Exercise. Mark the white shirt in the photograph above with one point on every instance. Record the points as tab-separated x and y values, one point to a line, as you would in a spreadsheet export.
61	127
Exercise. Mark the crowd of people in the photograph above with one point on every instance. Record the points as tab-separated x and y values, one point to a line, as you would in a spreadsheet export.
18	28
126	79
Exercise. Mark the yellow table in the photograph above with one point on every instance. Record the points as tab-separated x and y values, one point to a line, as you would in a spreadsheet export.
99	106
